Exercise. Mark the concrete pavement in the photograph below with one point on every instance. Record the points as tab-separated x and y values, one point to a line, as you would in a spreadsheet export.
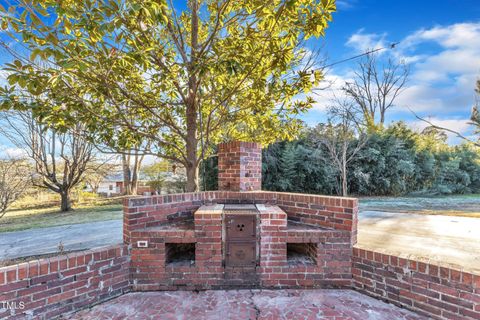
441	239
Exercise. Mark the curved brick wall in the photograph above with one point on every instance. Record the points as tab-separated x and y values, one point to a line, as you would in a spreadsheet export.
330	212
434	291
48	288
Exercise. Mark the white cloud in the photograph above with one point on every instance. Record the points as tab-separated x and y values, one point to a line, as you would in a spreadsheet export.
461	126
429	99
345	4
460	35
11	152
444	66
3	77
441	82
363	42
330	89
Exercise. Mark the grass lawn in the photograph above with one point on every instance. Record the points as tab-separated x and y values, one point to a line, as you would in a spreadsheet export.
455	205
28	218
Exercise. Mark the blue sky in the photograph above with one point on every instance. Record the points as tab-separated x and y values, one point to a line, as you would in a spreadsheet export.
440	40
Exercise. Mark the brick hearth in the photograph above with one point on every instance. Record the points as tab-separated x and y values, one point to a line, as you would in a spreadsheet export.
283	240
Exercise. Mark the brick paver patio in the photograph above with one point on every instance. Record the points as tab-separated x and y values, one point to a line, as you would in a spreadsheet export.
246	304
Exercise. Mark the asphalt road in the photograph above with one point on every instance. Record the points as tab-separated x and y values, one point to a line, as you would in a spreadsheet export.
46	240
444	239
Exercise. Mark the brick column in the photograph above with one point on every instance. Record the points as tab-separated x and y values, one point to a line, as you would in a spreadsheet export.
208	253
239	166
273	246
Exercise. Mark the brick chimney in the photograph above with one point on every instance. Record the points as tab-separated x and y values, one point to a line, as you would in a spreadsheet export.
239	166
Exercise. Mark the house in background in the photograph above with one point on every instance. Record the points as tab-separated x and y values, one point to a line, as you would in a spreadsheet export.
112	185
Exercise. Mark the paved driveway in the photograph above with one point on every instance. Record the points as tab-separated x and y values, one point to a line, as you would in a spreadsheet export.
46	240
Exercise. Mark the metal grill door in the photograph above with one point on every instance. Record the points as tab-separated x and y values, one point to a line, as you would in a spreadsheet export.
240	227
241	254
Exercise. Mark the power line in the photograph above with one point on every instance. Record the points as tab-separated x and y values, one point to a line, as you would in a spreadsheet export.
391	46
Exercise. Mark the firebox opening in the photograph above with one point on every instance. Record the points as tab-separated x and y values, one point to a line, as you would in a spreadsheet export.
301	254
179	254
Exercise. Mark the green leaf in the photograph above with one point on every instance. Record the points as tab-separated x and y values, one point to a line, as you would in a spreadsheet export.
35	53
67	26
12	79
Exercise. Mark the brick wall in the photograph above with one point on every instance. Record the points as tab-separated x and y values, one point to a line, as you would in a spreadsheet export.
144	212
434	291
331	265
333	259
330	212
239	166
48	288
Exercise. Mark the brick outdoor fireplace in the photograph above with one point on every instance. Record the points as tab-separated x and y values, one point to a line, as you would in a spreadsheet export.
240	236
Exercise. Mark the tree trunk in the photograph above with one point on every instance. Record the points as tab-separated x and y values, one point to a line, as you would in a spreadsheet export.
192	178
126	175
191	148
134	175
192	107
133	188
344	170
382	117
344	184
65	204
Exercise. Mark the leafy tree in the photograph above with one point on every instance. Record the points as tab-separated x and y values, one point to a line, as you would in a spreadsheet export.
384	166
310	172
177	183
271	166
393	161
209	173
449	178
288	168
470	163
155	175
141	70
131	166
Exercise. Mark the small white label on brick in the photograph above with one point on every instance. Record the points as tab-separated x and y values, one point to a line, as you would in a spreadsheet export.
142	244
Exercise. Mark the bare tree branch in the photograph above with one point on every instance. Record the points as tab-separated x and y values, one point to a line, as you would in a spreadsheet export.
375	89
61	159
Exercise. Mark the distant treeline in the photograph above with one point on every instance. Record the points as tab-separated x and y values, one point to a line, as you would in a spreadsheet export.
393	161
